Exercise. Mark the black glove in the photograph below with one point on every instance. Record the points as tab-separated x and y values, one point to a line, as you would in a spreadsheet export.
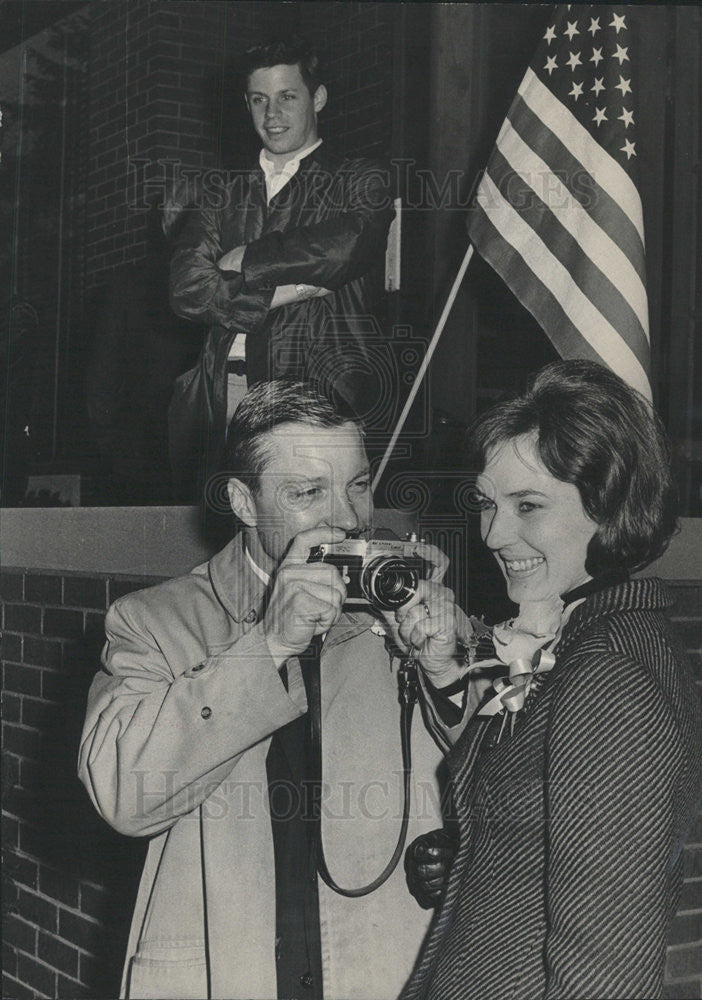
427	863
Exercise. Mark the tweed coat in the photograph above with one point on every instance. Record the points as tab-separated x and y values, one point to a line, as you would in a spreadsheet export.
569	867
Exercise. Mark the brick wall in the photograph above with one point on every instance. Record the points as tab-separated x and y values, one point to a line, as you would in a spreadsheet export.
357	42
155	83
68	881
160	94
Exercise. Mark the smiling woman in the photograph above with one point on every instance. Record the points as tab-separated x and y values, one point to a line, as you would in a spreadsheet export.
593	786
533	523
582	427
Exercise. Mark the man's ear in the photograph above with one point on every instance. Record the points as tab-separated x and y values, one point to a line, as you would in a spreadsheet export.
320	98
242	502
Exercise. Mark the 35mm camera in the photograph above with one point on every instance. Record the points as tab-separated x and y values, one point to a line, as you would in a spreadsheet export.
382	573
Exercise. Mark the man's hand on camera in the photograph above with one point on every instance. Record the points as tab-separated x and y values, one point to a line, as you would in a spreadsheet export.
307	598
427	624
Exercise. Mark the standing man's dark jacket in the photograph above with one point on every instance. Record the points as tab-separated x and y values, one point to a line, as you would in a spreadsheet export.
326	227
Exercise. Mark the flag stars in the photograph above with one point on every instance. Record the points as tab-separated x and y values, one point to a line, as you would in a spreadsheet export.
600	116
577	91
596	57
627	117
623	85
551	64
571	30
594	26
573	60
617	22
599	85
621	54
550	34
629	149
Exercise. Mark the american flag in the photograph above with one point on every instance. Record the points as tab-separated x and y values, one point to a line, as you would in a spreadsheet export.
557	213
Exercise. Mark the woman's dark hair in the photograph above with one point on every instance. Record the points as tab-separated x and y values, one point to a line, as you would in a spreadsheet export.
284	52
594	431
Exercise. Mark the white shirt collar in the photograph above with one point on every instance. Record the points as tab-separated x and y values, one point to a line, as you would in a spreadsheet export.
260	573
277	179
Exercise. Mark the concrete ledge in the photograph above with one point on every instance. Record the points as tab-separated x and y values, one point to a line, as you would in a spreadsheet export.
133	541
137	541
168	541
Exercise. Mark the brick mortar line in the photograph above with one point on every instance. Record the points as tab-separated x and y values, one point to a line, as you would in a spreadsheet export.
23	694
90	885
19	756
40	961
38	635
57	937
73	910
54	935
19	982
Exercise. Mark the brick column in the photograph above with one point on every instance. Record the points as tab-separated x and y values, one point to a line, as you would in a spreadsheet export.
157	72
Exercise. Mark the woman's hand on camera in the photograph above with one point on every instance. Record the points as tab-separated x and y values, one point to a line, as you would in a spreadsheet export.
427	624
436	559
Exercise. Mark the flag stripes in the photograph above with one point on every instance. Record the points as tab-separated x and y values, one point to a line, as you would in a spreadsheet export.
611	177
521	245
578	251
597	244
578	180
558	214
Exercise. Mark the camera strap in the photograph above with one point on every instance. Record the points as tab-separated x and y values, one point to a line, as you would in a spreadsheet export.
408	692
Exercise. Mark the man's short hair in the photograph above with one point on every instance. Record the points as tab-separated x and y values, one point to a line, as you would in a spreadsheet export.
265	406
592	430
284	52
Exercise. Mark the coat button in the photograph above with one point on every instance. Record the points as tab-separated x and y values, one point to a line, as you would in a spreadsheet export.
306	980
251	617
206	712
200	666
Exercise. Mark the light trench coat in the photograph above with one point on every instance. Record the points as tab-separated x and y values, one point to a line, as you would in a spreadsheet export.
174	747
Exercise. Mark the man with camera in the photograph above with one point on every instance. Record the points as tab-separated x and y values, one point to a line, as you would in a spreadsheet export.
194	733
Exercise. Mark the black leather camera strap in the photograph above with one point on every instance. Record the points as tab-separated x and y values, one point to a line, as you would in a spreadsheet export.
408	688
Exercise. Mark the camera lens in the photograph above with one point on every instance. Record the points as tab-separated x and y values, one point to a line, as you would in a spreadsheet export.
389	582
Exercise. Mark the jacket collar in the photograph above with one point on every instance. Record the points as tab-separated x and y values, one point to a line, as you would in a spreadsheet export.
291	166
236	586
643	594
322	157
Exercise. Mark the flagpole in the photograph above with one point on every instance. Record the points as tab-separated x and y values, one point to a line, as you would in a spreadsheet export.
424	365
